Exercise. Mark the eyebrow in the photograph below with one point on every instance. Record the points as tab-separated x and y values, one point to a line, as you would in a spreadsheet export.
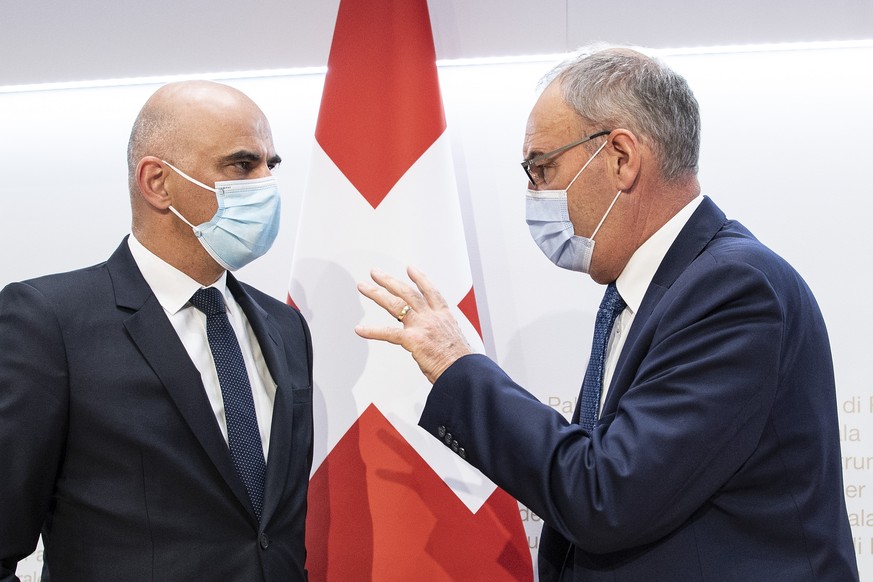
249	156
537	151
533	154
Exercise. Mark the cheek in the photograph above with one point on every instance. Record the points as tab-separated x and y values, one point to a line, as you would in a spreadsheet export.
579	204
198	208
575	213
207	205
587	202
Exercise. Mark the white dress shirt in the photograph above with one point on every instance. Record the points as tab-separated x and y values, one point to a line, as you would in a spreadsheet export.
173	290
635	280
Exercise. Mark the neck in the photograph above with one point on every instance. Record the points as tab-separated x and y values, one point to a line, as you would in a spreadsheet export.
667	199
644	212
185	253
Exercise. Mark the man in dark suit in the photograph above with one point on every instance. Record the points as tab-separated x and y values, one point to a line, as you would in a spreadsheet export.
148	433
706	446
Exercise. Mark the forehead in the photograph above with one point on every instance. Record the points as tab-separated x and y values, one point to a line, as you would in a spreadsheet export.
224	127
253	135
551	121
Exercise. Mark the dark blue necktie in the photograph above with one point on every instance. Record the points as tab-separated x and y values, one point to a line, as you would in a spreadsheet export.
243	434
592	385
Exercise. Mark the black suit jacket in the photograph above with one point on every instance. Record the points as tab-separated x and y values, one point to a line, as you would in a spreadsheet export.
716	457
108	443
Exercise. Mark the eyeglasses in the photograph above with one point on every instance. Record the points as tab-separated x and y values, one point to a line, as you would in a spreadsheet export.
534	166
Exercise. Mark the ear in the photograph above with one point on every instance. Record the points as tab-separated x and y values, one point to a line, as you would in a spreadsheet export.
150	176
625	158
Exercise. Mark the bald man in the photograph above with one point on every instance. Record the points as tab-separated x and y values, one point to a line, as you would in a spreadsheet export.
155	413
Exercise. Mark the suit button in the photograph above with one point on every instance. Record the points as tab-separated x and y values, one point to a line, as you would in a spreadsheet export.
441	431
462	452
265	541
448	438
455	446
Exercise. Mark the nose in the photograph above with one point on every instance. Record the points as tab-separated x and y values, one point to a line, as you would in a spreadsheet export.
262	171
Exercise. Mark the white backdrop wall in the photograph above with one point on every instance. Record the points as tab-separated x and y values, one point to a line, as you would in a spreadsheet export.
785	150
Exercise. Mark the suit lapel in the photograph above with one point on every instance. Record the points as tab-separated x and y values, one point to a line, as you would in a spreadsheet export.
697	233
272	346
160	346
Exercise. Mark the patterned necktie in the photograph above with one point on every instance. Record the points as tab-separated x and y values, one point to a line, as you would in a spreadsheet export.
243	434
592	385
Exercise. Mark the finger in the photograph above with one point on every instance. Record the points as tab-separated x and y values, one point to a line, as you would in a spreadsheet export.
395	306
386	334
398	288
381	297
430	293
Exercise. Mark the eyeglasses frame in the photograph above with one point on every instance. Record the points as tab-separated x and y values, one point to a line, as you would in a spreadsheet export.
536	160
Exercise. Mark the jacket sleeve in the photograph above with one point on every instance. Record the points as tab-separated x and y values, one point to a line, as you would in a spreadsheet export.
691	413
33	417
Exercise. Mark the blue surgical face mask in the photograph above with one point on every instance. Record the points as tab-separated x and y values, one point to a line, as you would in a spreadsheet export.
548	218
245	224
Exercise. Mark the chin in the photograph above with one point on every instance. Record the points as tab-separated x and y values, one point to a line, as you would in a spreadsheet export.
601	276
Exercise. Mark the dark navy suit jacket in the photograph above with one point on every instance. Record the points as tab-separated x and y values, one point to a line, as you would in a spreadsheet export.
108	443
717	454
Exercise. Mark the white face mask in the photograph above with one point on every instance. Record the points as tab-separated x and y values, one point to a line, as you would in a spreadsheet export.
245	224
548	218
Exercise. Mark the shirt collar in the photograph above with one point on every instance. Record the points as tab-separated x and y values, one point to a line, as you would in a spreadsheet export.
640	269
172	288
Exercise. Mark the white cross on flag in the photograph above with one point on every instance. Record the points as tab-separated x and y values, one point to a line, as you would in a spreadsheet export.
387	501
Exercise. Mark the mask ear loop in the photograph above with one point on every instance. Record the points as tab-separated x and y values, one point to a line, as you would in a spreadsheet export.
591	159
194	228
189	178
608	210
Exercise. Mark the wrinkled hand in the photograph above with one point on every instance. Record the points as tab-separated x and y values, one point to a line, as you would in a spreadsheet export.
429	331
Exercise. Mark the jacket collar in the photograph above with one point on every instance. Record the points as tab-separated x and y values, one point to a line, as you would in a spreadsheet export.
153	334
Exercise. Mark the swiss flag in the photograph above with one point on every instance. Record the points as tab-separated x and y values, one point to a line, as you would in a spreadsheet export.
386	500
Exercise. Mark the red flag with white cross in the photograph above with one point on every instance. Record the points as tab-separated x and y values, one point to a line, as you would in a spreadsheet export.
387	501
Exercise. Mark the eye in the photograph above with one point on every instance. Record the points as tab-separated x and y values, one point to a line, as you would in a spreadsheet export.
536	172
546	172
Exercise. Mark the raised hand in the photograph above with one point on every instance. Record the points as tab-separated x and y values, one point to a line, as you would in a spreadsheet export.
429	331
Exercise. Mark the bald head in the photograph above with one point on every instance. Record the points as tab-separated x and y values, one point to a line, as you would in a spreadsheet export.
178	117
209	132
